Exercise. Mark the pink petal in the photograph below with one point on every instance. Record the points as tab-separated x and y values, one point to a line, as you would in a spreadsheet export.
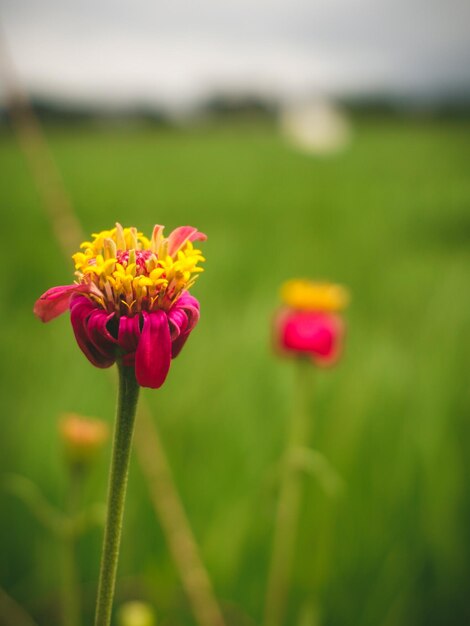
81	310
101	338
310	332
178	344
153	356
185	315
128	338
190	306
178	321
337	329
56	301
181	235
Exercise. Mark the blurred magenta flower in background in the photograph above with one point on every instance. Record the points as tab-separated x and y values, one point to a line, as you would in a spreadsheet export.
308	324
131	299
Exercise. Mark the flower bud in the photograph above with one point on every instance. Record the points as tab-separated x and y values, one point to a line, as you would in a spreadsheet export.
136	614
82	438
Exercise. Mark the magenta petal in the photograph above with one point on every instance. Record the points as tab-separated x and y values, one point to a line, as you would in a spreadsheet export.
56	301
181	235
128	337
178	344
153	356
179	325
104	342
184	314
178	321
336	330
190	306
81	309
316	333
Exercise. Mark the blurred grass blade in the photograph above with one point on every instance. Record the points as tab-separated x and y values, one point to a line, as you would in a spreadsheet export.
11	613
175	524
30	494
317	465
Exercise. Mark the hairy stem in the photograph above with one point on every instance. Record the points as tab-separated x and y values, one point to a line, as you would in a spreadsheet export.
123	430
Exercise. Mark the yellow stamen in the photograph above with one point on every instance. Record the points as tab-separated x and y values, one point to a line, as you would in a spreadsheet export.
133	271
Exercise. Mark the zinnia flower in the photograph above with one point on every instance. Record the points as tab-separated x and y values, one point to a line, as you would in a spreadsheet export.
308	324
130	300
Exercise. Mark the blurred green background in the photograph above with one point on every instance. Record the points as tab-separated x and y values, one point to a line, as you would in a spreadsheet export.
388	217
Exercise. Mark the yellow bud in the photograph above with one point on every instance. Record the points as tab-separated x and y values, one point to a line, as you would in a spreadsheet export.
82	438
136	614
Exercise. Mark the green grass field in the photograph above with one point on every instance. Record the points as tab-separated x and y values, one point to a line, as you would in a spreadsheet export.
390	218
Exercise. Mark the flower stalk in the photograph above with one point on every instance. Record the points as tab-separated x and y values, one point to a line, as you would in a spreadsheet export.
123	431
288	508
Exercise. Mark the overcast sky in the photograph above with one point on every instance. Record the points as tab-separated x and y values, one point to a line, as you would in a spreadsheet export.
175	51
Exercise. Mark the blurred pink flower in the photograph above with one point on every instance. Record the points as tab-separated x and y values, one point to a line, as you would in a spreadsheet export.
308	324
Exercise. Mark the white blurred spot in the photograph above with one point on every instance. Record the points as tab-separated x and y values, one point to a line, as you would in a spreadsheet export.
317	127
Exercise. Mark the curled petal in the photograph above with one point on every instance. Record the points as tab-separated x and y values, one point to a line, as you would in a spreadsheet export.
99	351
56	301
190	306
184	315
178	321
179	325
128	337
97	326
182	235
153	355
178	343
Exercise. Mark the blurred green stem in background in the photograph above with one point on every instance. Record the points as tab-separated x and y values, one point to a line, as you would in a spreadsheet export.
12	613
30	494
289	502
123	431
66	527
71	593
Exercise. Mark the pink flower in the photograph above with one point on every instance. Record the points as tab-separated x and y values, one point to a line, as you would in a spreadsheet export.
131	299
308	324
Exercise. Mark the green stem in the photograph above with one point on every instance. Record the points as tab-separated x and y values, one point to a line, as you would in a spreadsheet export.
125	416
71	595
30	494
288	506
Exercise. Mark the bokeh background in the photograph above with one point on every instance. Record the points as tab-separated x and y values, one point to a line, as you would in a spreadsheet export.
324	140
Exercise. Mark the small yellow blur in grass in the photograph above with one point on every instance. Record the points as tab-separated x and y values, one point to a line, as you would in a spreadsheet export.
307	295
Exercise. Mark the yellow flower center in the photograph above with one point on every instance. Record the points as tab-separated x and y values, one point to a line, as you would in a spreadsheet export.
306	295
132	273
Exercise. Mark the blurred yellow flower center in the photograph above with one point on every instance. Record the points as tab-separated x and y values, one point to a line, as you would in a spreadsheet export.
306	295
133	273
